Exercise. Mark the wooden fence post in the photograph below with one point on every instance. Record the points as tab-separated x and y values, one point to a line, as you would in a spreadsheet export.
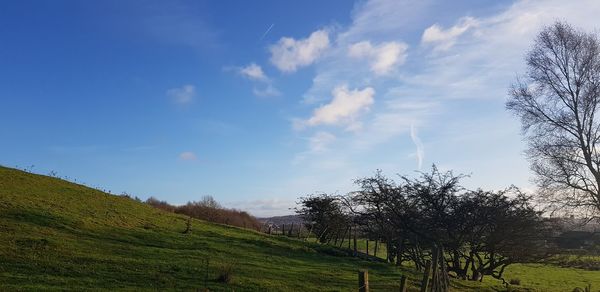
367	247
337	234
434	268
388	254
322	234
343	237
363	281
309	231
403	285
291	229
445	281
355	249
350	237
283	230
376	247
425	277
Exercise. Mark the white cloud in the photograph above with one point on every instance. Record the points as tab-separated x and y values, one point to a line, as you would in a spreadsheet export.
289	54
345	106
187	156
253	72
182	95
420	153
443	39
320	141
383	57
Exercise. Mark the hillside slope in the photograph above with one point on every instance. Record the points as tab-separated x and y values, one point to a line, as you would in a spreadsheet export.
56	234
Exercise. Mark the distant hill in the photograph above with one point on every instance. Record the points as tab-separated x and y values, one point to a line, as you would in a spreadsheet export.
59	235
279	220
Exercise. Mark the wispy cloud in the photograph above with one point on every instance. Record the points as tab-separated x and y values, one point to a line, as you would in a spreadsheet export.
320	141
344	107
289	54
443	39
383	57
253	72
420	151
182	95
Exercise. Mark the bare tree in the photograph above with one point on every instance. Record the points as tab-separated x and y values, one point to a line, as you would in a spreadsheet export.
482	232
210	202
557	101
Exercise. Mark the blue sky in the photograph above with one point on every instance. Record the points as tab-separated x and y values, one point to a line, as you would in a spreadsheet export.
259	102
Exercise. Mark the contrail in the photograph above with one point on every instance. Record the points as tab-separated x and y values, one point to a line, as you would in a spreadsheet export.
266	32
420	149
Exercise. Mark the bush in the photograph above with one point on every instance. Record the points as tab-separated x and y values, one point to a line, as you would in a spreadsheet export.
209	210
225	272
219	215
163	205
515	281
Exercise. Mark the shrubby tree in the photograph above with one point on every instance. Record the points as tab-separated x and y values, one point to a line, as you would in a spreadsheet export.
557	101
504	229
481	231
379	204
323	216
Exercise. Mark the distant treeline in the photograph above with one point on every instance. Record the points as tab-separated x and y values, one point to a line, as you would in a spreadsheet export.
209	209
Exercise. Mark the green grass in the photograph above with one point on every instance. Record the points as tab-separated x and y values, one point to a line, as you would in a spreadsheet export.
588	262
551	278
58	235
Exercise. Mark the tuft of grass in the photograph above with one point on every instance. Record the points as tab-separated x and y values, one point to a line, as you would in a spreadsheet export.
225	272
587	288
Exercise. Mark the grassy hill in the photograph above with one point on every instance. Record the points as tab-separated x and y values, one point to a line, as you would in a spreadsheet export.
55	234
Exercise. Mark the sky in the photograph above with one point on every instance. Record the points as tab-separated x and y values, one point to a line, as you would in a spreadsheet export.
257	103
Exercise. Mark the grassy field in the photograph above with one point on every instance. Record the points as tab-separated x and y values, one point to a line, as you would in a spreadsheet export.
552	276
57	235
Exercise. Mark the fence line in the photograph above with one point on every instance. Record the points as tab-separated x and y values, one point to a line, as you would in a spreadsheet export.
435	276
